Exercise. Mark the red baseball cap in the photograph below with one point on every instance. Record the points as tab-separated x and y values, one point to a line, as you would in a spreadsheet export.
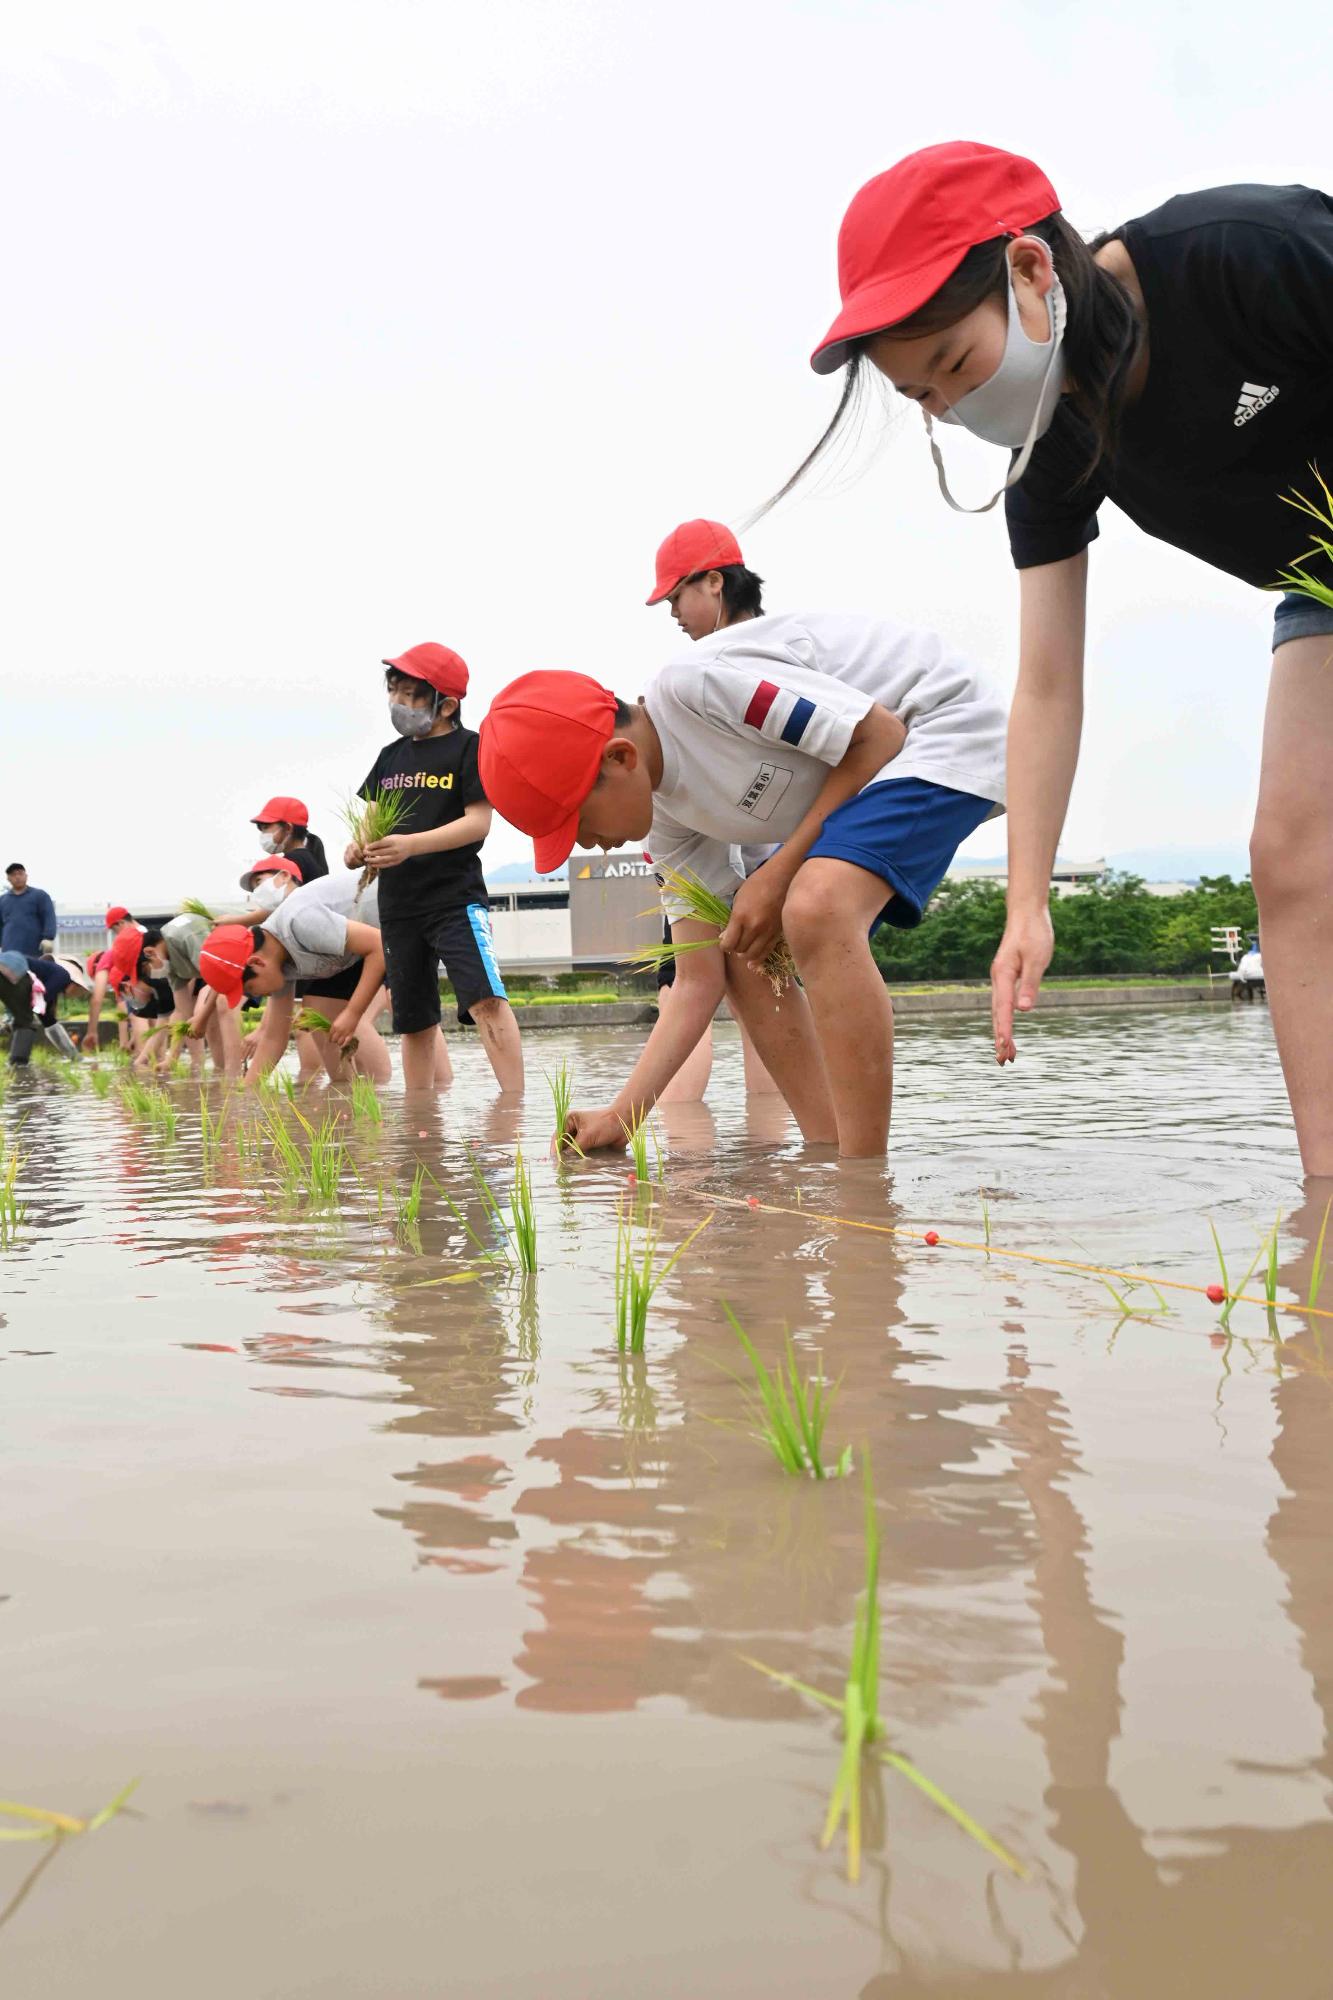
270	864
290	811
116	914
438	665
693	546
223	957
910	228
539	750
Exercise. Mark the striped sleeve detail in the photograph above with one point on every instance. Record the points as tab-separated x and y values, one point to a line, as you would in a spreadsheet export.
793	729
761	701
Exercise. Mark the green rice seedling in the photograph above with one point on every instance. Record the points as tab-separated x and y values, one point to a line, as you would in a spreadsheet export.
523	1216
488	1251
192	907
365	1099
863	1727
1270	1267
368	820
314	1172
708	908
1321	546
1224	1318
101	1082
210	1124
310	1021
985	1221
561	1087
638	1274
47	1825
137	1097
636	1138
407	1210
13	1212
788	1414
162	1113
1221	1260
1317	1262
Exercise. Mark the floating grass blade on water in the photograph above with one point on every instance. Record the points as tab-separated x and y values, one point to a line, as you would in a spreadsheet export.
638	1274
862	1726
788	1414
706	907
47	1825
372	819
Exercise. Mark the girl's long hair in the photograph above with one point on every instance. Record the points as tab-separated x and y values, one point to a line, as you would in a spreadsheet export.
1103	339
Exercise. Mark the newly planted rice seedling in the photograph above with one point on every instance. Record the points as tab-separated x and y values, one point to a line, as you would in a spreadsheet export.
1317	1262
707	907
787	1414
561	1087
637	1273
210	1124
101	1082
315	1172
636	1138
162	1113
1270	1267
137	1097
365	1100
489	1251
862	1725
13	1212
372	819
523	1224
407	1210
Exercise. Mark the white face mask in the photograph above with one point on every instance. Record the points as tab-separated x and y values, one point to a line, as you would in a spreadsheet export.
1015	407
268	843
269	891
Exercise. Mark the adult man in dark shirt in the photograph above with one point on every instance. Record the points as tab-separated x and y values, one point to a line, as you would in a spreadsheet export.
432	894
27	915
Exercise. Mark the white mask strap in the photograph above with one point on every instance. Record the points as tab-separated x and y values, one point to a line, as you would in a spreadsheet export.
1030	442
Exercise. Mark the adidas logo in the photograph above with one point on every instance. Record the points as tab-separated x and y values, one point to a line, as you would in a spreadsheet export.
1253	398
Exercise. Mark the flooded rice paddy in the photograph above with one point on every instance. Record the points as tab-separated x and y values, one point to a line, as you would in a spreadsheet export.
423	1615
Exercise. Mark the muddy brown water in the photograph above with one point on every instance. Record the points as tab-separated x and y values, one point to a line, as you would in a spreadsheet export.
419	1611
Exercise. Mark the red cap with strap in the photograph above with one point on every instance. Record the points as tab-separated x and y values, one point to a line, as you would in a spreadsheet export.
223	957
693	546
910	228
269	864
438	666
290	811
538	754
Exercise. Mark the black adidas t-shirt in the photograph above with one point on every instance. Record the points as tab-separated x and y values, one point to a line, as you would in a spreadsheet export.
1238	402
439	775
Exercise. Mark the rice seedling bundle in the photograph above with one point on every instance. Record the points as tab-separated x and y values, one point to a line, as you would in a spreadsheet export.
1321	544
638	1274
372	819
862	1726
311	1022
779	968
192	907
788	1414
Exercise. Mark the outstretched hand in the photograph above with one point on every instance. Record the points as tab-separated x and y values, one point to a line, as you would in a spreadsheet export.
1016	975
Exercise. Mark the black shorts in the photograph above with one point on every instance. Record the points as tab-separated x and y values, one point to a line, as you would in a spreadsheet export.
413	951
334	986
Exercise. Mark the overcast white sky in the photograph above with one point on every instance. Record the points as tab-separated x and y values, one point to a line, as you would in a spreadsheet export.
333	327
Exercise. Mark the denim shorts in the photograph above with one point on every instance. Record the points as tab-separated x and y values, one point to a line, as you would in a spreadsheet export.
1299	617
907	831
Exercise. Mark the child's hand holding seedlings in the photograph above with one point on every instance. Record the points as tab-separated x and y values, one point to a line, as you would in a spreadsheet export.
353	855
756	915
389	852
595	1129
343	1028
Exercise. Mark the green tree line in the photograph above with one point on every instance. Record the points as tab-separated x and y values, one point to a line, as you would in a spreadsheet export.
1115	926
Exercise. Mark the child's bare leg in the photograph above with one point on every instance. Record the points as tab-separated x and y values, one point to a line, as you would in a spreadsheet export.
758	1082
495	1023
95	999
690	1082
827	917
418	1052
783	1032
308	1056
444	1069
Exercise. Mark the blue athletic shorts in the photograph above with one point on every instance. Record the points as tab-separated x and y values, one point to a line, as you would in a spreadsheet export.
907	831
1299	617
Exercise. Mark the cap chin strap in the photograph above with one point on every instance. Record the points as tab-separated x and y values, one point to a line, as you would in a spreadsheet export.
1030	442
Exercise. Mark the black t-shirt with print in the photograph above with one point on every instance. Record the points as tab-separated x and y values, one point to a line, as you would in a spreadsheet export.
309	861
1238	402
440	778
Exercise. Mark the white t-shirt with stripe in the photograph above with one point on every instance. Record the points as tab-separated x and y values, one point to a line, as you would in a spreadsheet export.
752	719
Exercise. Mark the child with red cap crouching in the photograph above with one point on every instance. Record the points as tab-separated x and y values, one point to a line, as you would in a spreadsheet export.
867	750
432	894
